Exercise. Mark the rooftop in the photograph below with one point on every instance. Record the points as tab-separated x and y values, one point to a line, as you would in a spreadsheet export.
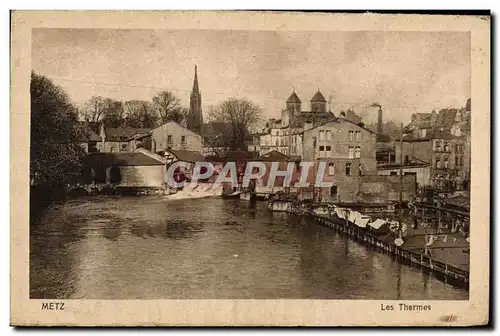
318	97
187	155
121	159
123	133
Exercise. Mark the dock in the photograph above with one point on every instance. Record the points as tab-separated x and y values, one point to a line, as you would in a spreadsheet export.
448	273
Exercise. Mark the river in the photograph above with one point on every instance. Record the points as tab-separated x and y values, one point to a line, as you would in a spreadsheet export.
152	248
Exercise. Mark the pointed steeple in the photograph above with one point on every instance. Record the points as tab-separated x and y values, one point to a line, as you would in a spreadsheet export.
195	115
195	82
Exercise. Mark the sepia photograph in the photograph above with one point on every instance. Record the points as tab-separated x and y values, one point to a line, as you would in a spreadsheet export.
218	162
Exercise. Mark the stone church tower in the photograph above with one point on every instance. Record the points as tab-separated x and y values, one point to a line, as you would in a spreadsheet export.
195	116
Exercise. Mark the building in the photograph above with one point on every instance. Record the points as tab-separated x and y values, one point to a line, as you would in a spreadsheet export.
441	139
195	114
114	140
348	151
442	151
90	140
284	135
187	157
126	170
167	136
421	171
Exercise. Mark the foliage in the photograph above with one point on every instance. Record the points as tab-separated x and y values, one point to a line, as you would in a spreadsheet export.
55	156
242	115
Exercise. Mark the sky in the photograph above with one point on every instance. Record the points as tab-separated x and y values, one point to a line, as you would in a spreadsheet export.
405	72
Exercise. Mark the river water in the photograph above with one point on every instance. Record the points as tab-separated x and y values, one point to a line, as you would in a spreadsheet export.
152	248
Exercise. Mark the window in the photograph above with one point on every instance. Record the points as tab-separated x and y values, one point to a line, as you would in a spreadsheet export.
438	145
351	135
321	151
331	168
461	160
446	163
456	161
446	147
112	149
360	169
328	135
321	135
438	162
169	139
351	152
154	146
393	173
183	139
358	135
348	169
277	142
357	152
423	133
124	147
328	151
333	190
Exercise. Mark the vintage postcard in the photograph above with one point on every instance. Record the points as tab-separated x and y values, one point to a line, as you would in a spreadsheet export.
183	168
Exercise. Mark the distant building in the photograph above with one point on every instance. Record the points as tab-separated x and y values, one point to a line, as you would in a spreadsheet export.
167	136
444	152
441	139
348	151
90	139
114	140
421	171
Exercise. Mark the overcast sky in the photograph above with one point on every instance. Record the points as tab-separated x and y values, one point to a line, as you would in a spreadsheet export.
405	72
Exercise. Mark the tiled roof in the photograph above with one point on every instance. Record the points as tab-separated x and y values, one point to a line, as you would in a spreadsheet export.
293	98
459	200
383	138
446	118
273	156
187	155
239	155
437	134
121	159
318	97
123	133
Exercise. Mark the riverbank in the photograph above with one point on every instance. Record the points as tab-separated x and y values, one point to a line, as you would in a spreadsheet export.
445	255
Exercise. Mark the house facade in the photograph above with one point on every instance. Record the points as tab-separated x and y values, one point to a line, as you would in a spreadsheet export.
167	136
443	152
348	152
116	140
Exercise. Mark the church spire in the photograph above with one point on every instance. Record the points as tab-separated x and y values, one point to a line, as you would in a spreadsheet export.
195	115
195	82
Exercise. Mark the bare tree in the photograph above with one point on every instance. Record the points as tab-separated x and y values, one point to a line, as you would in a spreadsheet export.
100	108
242	115
169	107
140	113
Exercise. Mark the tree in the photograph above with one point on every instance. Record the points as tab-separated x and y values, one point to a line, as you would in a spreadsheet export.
169	108
140	114
242	115
113	113
104	109
55	155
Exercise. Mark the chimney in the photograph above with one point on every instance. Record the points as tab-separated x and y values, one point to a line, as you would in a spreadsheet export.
379	123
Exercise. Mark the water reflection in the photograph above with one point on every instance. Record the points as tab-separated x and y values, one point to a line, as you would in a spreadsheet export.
150	248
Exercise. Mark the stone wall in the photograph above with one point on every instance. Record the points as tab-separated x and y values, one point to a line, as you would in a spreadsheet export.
142	176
